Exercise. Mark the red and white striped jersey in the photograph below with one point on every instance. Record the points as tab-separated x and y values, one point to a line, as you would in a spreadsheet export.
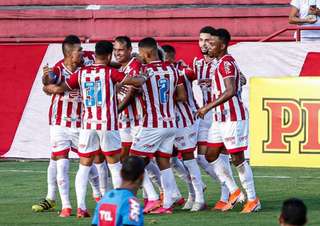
185	111
233	109
158	91
204	72
132	115
97	86
65	109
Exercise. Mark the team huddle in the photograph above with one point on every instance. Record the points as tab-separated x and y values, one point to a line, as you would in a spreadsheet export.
143	105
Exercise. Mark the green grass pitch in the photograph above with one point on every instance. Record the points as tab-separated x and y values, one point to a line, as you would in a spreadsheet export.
24	183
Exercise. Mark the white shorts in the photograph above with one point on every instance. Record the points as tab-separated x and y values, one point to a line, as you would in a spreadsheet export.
63	139
91	142
127	135
186	138
204	125
154	142
233	135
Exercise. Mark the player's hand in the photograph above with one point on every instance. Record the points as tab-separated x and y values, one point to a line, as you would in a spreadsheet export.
311	19
243	80
312	11
123	89
45	90
202	112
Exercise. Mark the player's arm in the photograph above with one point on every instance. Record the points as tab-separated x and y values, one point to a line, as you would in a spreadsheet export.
136	81
180	94
55	89
294	18
231	90
243	79
131	92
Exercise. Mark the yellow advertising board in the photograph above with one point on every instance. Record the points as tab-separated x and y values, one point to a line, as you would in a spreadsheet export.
284	122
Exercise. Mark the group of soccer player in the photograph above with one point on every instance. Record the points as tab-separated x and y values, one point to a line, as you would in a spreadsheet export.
143	105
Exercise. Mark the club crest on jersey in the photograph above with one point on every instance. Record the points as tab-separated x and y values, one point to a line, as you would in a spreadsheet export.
65	74
227	67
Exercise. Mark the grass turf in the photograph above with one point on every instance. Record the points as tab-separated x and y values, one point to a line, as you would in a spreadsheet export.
24	183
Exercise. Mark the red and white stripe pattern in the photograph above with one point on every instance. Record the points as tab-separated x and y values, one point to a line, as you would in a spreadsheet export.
65	109
132	115
233	109
97	85
158	93
185	111
204	71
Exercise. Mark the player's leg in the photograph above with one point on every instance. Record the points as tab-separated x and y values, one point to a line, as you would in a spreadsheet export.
94	182
88	148
168	181
239	130
102	168
126	142
141	147
111	147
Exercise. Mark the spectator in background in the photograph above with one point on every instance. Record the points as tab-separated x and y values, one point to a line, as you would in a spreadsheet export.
306	13
293	213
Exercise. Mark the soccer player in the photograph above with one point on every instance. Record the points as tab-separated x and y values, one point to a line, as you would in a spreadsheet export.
64	120
186	133
99	120
120	207
293	213
131	113
156	137
230	124
204	70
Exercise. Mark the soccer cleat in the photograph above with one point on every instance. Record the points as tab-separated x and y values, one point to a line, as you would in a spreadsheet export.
252	206
162	210
234	198
188	205
219	205
198	207
179	202
151	205
65	212
44	205
82	213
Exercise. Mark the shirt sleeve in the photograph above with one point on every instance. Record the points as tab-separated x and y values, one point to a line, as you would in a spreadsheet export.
227	69
131	212
73	81
95	218
117	76
295	3
190	74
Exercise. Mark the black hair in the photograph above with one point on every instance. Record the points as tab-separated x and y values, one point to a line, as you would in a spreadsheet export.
223	35
132	168
168	49
124	40
69	40
207	30
148	43
294	212
103	48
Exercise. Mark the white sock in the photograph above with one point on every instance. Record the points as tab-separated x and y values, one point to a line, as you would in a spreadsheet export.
168	182
224	190
52	180
115	174
154	173
94	181
148	188
205	165
223	175
195	175
63	182
103	176
180	170
246	178
81	185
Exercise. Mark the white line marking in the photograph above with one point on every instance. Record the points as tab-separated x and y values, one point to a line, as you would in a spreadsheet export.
93	7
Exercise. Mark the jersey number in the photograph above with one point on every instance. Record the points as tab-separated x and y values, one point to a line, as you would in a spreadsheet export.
163	90
94	94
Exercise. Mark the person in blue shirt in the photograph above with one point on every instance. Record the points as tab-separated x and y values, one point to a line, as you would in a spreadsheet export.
120	206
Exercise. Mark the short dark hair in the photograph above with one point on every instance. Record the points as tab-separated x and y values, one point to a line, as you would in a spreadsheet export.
223	35
294	212
207	30
148	43
168	49
103	48
132	168
69	40
124	40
